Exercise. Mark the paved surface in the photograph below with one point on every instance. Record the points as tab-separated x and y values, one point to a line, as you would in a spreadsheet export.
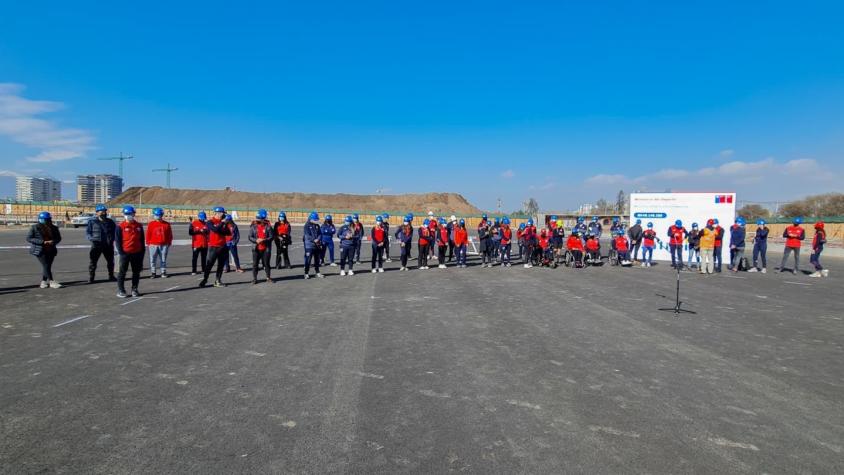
474	370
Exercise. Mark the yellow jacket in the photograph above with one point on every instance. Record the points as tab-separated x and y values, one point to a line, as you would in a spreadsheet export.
707	239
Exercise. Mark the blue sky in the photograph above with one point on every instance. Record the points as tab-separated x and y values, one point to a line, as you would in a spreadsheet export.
562	101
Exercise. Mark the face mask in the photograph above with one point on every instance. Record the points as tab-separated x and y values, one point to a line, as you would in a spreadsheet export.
42	221
130	217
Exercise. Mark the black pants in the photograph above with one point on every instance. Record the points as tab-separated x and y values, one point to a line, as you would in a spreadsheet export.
46	260
136	260
486	256
219	256
422	261
450	250
347	256
387	246
94	256
260	256
377	255
358	245
441	253
405	253
202	254
281	252
312	256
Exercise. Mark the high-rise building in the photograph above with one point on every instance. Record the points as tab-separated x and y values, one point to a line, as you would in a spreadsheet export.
31	188
98	188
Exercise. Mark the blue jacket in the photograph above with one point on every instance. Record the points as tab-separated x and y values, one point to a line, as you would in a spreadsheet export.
327	231
737	235
402	237
311	234
101	232
235	234
761	235
346	233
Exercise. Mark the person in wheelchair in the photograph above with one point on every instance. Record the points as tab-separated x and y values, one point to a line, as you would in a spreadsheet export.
545	251
593	249
575	246
622	248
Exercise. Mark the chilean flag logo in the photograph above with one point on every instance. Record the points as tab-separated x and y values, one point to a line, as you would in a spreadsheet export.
723	198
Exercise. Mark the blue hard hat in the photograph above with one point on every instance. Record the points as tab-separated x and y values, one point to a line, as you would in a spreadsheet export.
348	219
379	219
798	220
158	212
462	222
386	216
650	225
553	217
580	219
202	215
484	216
615	219
678	223
521	225
410	215
100	207
328	217
314	216
426	222
282	215
497	220
128	209
44	215
694	225
740	221
261	214
442	220
760	222
219	209
594	218
506	220
530	222
355	216
638	221
715	221
227	217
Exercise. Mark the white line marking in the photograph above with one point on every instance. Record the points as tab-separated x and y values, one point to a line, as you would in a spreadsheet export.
796	283
368	375
735	277
254	353
139	298
172	288
70	321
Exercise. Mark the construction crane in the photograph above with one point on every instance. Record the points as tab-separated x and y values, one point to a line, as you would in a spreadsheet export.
167	170
120	160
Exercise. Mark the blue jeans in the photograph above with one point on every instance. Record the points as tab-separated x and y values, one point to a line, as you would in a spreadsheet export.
330	246
158	254
505	253
461	255
717	257
676	255
815	259
694	253
760	250
647	254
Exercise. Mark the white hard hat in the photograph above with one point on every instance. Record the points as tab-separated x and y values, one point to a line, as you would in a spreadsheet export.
453	217
430	213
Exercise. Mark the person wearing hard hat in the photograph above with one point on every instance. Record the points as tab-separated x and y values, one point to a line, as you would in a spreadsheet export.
159	239
441	239
719	244
694	247
432	233
359	232
404	235
737	237
794	236
377	235
282	238
506	241
43	237
198	232
817	247
129	237
261	237
676	235
218	253
312	239
520	239
461	240
635	235
649	240
386	224
760	247
452	223
100	232
327	232
346	233
232	240
595	227
484	241
530	238
423	242
574	244
707	248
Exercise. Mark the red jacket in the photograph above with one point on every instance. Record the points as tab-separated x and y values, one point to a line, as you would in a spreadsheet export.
461	236
217	238
199	234
377	234
132	237
159	233
282	231
649	238
592	244
719	236
506	235
794	236
442	237
621	244
424	235
676	235
574	243
544	242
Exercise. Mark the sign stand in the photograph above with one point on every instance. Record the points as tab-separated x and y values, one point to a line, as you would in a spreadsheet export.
677	303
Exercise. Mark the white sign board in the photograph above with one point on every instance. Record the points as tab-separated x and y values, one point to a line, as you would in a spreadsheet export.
663	209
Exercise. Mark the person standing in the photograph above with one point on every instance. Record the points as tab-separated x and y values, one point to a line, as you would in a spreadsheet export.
676	235
232	240
441	239
530	238
461	240
43	237
649	240
817	248
100	232
358	236
404	234
506	241
386	224
635	235
707	248
218	251
377	236
327	232
694	247
198	232
159	239
281	236
737	237
794	236
312	240
129	237
261	237
760	247
719	242
423	243
484	240
347	246
452	223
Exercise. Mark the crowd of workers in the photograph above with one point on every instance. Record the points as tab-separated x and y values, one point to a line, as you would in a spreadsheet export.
214	242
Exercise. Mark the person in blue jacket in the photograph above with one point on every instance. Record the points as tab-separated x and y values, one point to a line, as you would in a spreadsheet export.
595	227
346	233
737	236
386	224
100	232
404	235
760	247
581	226
232	241
312	239
327	231
358	236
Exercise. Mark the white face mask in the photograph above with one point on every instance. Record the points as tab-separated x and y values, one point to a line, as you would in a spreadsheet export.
129	217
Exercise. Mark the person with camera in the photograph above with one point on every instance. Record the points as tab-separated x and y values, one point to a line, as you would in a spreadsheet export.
218	251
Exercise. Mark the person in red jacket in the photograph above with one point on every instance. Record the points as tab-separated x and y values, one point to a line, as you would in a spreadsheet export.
817	248
159	240
544	250
593	248
794	236
217	249
461	240
281	236
529	236
622	247
506	241
261	237
129	241
719	243
441	234
676	236
424	241
199	241
575	246
378	235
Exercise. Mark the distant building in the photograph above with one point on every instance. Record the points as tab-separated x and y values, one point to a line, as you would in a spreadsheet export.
98	188
30	188
585	208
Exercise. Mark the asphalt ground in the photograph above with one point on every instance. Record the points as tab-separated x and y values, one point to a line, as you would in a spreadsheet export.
476	370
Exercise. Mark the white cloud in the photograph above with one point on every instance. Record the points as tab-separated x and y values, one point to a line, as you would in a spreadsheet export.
8	173
608	180
508	174
20	121
727	153
548	185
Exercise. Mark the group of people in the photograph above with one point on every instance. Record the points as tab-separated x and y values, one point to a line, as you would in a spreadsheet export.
214	243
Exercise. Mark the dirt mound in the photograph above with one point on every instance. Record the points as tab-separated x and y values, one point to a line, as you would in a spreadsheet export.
416	203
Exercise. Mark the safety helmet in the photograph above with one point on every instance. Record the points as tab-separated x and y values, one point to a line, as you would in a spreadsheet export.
638	221
715	221
379	219
44	215
580	219
710	222
694	225
506	220
328	217
553	217
100	207
462	222
261	214
385	216
158	212
426	222
530	222
410	215
128	210
650	225
560	223
819	225
430	213
797	220
219	209
521	225
453	218
761	222
594	218
678	223
348	219
497	220
282	215
615	219
442	220
484	216
740	221
202	215
314	216
356	216
228	217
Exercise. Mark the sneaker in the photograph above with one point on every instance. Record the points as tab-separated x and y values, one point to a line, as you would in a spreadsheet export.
389	260
121	294
343	273
403	269
320	275
44	284
794	272
333	264
351	272
825	272
203	283
239	271
815	274
217	283
764	271
380	269
441	266
374	270
643	265
135	293
193	273
163	275
55	285
307	276
526	266
153	275
753	269
254	281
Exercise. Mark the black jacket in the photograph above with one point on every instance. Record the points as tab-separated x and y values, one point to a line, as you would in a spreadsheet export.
36	238
101	232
